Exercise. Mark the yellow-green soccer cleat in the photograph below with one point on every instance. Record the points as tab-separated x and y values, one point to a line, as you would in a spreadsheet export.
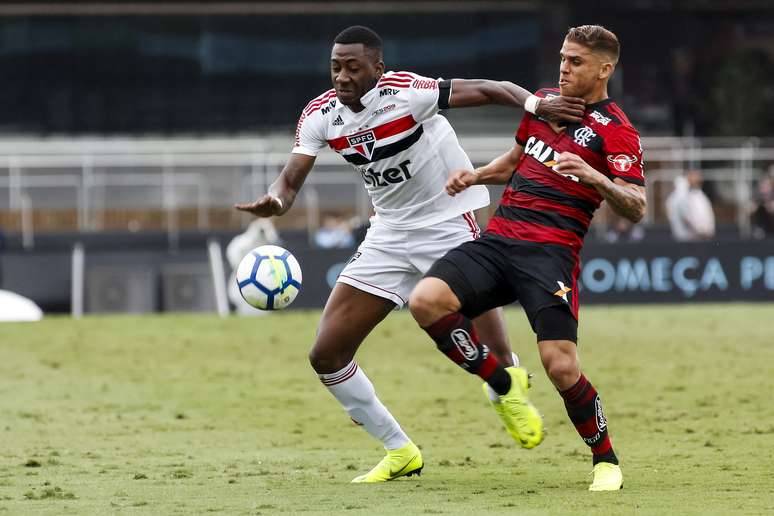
521	418
607	477
402	462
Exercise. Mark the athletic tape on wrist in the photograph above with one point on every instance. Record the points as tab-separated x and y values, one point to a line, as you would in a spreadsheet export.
531	104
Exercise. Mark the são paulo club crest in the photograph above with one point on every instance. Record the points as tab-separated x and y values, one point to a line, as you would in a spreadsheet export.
363	143
622	162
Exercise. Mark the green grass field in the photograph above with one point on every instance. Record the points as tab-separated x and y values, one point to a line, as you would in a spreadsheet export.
195	415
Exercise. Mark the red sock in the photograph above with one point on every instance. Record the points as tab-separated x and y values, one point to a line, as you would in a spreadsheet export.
585	410
456	338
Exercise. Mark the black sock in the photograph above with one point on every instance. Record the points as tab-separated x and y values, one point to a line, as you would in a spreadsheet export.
456	338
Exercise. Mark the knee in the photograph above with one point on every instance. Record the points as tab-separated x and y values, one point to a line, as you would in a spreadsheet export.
318	360
561	365
432	299
325	362
422	303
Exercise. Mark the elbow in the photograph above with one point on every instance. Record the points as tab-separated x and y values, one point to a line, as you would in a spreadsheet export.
497	92
639	214
506	175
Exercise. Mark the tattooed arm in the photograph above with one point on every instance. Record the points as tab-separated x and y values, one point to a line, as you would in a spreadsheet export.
626	199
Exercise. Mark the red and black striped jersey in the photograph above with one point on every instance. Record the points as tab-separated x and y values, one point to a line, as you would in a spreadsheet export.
543	206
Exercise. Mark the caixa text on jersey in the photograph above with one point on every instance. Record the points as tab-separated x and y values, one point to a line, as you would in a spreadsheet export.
390	176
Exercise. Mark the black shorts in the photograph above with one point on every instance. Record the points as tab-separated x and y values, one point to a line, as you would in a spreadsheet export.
496	271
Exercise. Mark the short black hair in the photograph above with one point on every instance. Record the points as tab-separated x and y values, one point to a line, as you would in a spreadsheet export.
360	34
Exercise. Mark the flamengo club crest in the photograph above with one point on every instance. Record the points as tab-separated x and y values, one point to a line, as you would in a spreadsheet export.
363	143
583	136
622	162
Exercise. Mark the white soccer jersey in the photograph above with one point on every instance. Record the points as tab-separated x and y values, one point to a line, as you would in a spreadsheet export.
403	149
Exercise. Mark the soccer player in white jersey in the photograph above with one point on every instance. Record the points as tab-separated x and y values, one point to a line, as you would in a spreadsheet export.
388	127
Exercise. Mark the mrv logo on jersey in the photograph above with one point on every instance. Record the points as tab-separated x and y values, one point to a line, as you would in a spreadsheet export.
390	176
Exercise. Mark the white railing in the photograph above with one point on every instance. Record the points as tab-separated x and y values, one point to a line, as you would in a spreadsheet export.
93	175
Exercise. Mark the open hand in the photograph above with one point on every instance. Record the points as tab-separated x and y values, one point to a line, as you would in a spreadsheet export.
561	109
572	166
265	206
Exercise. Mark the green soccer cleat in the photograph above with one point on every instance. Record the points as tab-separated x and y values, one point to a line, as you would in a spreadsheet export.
607	477
402	462
520	416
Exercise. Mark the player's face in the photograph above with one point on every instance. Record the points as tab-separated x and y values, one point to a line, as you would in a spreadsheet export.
580	70
354	71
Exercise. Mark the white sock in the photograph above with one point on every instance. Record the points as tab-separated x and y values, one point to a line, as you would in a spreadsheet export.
356	394
492	394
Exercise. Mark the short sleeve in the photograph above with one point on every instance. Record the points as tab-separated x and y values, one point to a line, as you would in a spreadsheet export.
309	139
623	153
423	95
522	133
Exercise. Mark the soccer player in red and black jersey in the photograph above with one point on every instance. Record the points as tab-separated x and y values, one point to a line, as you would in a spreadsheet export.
557	176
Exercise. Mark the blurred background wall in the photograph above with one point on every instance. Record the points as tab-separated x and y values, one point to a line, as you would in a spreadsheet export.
688	68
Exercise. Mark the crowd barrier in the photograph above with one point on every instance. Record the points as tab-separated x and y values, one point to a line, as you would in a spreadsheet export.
140	280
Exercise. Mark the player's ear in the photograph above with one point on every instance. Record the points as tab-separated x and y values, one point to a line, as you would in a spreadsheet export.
379	67
606	70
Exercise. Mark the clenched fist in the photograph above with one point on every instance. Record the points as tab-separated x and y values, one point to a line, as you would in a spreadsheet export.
459	181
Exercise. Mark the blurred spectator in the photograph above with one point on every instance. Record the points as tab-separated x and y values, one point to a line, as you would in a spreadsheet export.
334	232
689	210
259	232
621	229
762	216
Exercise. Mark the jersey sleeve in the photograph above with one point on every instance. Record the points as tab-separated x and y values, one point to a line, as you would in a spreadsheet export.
310	138
522	133
623	155
424	96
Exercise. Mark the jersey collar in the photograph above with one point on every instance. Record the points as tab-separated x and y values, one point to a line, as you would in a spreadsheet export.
366	99
597	105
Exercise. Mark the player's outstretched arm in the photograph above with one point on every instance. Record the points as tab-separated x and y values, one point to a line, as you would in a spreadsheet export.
496	172
626	199
283	191
480	92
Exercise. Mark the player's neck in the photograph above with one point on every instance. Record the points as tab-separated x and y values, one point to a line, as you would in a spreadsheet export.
360	105
596	96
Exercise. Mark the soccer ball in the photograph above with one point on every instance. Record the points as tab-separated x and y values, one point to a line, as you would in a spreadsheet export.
269	277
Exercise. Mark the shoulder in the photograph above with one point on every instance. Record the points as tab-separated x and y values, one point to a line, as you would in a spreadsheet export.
611	119
319	103
406	80
399	77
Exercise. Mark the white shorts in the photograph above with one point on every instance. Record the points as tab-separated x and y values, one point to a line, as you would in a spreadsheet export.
389	262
